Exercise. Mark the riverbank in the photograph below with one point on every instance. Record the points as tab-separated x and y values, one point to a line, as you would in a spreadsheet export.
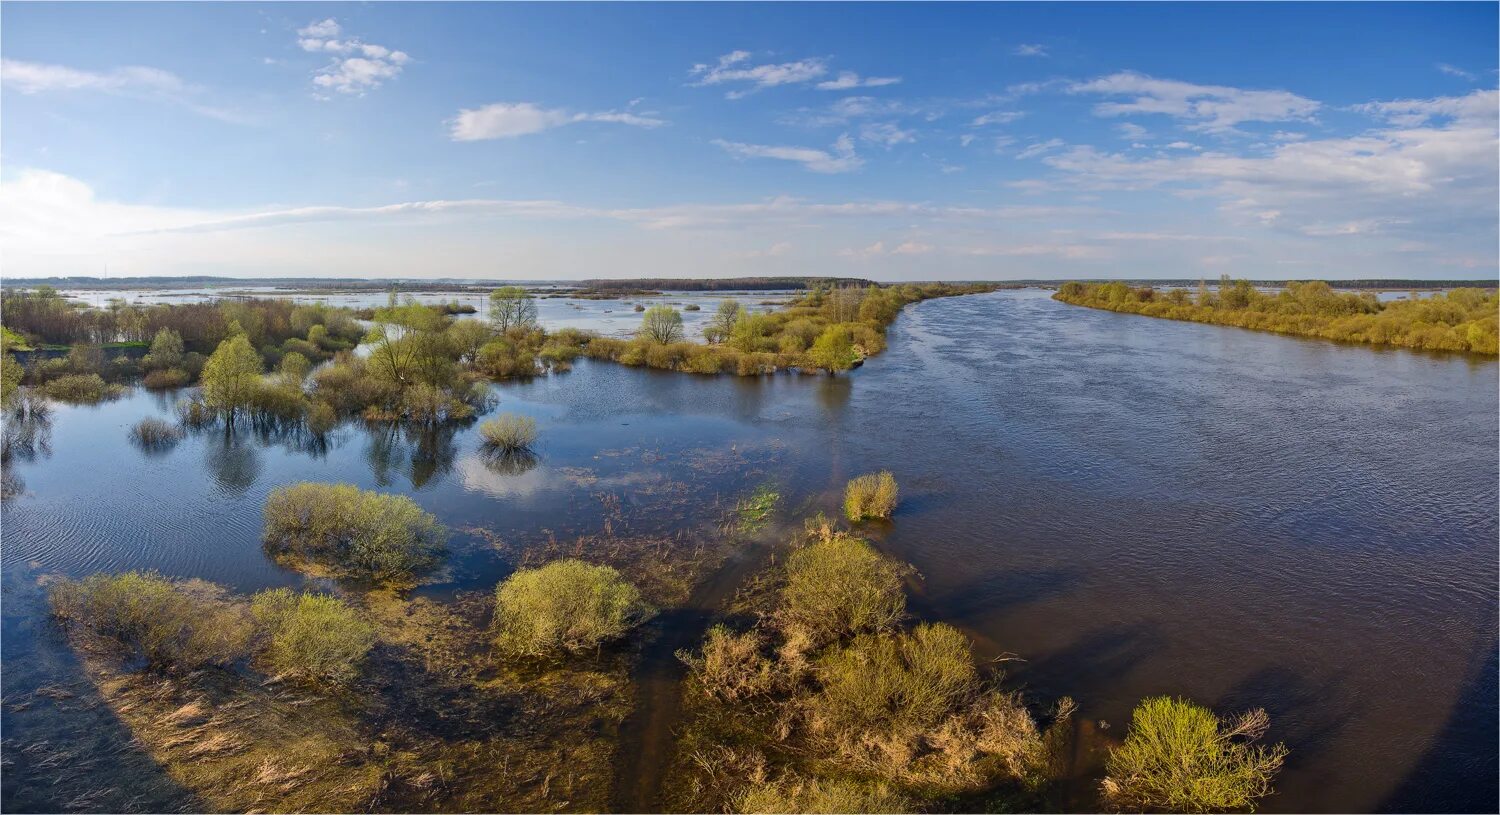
1459	320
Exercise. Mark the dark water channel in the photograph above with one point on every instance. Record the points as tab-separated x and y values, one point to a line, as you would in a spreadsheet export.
1131	506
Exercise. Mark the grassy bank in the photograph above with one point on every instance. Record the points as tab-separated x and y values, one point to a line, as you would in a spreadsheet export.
1459	320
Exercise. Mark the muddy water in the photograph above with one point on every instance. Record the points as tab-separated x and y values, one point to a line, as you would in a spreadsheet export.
1130	506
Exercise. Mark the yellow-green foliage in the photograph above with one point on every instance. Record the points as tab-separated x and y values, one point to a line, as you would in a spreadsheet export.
169	624
827	330
311	637
509	432
351	532
83	388
566	605
231	377
155	434
1179	757
793	794
1460	320
888	679
841	586
731	666
870	496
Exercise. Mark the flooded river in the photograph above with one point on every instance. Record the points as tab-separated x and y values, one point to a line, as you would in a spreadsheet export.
1129	506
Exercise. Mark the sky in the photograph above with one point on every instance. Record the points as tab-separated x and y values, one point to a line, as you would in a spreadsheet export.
889	141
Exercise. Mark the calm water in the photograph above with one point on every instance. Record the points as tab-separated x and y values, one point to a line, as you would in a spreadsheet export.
1132	506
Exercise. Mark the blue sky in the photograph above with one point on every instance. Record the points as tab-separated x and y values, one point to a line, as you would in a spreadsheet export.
892	141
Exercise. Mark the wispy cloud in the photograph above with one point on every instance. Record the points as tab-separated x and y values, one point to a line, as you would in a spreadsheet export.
134	81
506	120
839	159
1451	70
1030	50
357	67
1211	108
848	80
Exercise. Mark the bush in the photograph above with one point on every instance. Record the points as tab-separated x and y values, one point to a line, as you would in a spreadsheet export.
155	434
566	605
351	531
793	794
83	388
870	496
509	432
165	378
841	586
311	637
887	680
321	418
731	667
195	412
171	626
1180	757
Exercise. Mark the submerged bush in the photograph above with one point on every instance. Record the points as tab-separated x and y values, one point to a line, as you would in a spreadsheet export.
171	626
351	531
311	637
83	388
842	586
793	794
1179	757
509	432
731	666
566	605
870	496
165	379
155	434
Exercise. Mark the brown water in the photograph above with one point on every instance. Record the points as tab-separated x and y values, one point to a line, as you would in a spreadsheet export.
1131	506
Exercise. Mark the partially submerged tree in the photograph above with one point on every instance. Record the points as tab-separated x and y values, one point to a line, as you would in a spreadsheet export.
231	376
349	531
834	350
511	307
1179	757
661	324
722	323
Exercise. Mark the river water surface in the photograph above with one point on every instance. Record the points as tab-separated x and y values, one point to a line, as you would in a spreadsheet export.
1128	506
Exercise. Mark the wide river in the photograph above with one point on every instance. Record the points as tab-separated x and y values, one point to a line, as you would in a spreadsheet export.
1128	506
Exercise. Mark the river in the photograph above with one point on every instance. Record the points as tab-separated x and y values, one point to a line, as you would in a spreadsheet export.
1126	506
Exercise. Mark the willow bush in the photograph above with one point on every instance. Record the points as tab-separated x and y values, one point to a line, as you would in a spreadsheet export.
313	638
841	586
870	496
351	532
170	625
1179	757
566	606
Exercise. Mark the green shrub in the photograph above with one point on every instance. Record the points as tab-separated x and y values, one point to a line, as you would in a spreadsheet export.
793	794
171	626
841	586
311	637
155	434
566	605
351	531
509	432
885	680
870	496
81	388
165	378
321	418
1179	757
195	412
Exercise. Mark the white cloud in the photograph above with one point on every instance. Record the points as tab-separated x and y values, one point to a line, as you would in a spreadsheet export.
1432	170
357	66
504	120
1030	50
133	81
1210	108
1454	71
848	80
998	117
886	134
733	68
1040	148
840	159
912	248
1132	131
1182	145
